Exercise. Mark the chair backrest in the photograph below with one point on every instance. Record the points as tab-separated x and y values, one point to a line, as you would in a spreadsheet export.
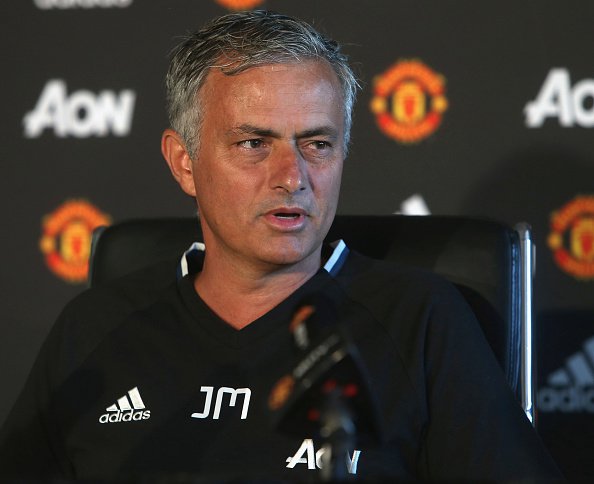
487	261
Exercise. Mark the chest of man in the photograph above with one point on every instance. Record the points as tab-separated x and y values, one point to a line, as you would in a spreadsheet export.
156	402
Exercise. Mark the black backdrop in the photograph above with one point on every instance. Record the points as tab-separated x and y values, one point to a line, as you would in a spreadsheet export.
505	90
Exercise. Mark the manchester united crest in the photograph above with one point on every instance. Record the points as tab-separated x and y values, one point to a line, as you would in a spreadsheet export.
66	238
281	392
240	4
572	237
409	101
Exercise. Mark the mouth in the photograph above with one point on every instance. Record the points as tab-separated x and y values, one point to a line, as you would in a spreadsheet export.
287	217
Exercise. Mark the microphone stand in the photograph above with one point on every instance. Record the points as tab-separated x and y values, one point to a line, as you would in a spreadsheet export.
325	391
338	432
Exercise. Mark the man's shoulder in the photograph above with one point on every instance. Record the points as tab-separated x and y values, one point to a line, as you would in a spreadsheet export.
92	315
126	293
373	275
391	291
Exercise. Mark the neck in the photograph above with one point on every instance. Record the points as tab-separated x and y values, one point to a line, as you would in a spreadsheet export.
240	295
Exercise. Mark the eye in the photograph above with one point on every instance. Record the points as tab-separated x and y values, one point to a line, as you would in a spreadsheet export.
318	150
321	145
251	144
318	146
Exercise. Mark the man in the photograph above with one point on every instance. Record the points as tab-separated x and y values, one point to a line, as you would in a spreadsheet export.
136	380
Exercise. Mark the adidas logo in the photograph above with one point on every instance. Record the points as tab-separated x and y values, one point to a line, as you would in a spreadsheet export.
571	389
128	408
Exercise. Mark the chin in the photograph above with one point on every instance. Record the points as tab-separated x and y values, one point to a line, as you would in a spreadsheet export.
286	255
284	259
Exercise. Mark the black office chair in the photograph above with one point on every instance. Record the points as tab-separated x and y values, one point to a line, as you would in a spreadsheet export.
490	263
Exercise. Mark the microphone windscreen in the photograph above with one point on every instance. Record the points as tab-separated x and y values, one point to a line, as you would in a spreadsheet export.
315	317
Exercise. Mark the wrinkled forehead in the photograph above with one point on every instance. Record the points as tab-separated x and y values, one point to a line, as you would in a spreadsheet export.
282	83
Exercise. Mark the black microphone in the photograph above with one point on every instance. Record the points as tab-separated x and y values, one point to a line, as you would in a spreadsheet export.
326	391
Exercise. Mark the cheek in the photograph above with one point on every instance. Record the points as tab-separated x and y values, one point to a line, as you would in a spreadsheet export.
207	191
329	186
226	191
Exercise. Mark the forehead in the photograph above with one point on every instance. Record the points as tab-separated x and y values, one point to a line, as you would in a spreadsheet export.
274	86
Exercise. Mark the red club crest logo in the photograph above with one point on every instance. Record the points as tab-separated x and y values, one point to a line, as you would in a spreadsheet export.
240	4
572	237
66	238
409	101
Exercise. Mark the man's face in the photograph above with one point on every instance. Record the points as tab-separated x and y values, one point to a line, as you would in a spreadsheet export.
267	173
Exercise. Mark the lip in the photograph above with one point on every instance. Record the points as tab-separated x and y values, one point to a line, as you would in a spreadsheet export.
294	219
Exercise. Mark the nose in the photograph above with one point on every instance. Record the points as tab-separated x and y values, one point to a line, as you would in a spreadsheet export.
288	170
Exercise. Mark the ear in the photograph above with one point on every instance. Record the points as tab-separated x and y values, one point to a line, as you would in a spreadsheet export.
179	161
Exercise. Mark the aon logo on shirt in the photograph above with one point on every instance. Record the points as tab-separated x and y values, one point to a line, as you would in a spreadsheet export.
307	455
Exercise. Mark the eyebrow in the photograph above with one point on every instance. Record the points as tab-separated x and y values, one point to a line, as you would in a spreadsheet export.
264	132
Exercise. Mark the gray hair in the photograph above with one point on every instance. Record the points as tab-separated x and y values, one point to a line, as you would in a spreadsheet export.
239	41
